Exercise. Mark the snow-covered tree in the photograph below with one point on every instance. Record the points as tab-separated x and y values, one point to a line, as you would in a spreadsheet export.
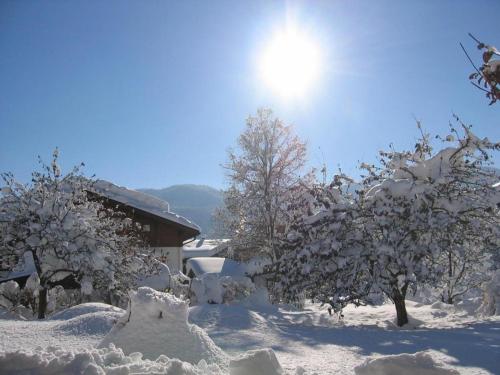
68	234
266	164
322	251
411	212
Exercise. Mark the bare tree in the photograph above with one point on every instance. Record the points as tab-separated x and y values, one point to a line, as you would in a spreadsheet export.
265	165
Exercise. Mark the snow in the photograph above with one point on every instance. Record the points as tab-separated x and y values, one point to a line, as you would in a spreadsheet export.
212	288
112	361
321	344
156	323
262	362
141	201
203	248
318	343
220	266
419	363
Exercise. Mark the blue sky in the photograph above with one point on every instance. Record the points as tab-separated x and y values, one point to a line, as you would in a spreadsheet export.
152	93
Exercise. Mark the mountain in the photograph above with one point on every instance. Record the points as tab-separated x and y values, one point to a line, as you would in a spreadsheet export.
195	202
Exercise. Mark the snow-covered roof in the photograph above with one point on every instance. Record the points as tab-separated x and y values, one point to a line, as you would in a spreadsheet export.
141	201
24	268
220	266
203	248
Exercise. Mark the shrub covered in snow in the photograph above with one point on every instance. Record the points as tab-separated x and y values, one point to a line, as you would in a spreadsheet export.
156	323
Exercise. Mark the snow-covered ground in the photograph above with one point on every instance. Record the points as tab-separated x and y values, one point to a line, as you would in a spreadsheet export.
320	343
310	338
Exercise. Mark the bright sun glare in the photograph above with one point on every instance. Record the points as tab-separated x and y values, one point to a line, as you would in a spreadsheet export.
290	63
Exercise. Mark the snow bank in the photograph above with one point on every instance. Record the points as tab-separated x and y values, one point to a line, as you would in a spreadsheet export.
85	308
491	296
112	361
419	363
156	323
262	362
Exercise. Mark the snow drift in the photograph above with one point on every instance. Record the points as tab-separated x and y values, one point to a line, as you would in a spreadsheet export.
420	363
112	361
156	324
262	362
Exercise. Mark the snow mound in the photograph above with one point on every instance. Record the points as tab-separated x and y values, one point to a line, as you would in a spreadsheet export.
420	363
262	362
85	308
112	361
156	323
89	324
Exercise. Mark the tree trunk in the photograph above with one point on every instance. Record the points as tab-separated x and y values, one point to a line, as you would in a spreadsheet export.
42	303
399	302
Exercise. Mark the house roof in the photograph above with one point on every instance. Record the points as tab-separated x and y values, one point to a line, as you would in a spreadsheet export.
141	201
24	268
203	248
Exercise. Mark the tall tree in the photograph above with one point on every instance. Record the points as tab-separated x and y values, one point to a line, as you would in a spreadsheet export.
264	167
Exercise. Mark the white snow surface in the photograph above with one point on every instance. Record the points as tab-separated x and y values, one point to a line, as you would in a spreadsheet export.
452	336
203	248
420	363
141	201
157	323
262	362
220	266
112	361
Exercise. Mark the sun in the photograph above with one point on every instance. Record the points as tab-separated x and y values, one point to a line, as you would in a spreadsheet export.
290	63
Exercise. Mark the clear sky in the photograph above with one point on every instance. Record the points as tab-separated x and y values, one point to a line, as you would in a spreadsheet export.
152	93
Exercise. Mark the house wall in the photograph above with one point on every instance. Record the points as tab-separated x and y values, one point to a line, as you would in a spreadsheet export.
171	256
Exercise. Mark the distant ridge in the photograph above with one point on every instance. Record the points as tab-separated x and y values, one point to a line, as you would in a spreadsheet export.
195	202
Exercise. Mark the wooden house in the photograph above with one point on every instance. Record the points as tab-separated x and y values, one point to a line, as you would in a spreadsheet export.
164	231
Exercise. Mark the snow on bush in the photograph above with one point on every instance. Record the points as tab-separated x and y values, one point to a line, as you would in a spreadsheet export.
262	362
112	361
212	288
9	294
491	296
156	323
420	363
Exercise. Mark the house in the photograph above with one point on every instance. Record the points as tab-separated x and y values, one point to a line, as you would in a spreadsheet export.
165	231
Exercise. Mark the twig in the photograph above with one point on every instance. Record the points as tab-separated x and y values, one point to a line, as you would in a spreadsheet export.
472	62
